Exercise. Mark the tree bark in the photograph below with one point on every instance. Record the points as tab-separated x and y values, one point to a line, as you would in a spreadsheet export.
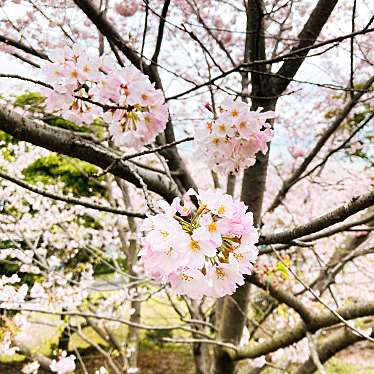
234	311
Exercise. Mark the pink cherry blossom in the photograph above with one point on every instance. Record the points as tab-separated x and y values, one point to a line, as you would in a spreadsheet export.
85	87
223	279
230	142
295	152
141	113
72	74
203	250
127	8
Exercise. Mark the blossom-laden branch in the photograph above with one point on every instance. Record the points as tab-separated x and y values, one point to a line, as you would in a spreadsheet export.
70	144
183	179
200	251
86	87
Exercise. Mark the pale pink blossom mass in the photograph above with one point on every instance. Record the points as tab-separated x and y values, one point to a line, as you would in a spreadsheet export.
229	143
202	250
127	8
141	113
64	365
86	87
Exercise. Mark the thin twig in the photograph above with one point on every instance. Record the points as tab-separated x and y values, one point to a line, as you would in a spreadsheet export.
69	200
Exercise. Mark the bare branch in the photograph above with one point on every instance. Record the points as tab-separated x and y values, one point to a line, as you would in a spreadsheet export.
146	152
331	345
160	34
298	332
282	296
23	47
287	184
355	205
69	200
274	60
338	148
307	38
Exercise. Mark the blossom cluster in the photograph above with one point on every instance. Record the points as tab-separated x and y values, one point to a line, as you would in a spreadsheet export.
6	348
230	142
64	365
202	250
86	87
31	368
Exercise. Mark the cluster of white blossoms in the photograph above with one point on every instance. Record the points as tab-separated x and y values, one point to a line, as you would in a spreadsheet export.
87	87
6	348
31	368
230	142
203	250
64	365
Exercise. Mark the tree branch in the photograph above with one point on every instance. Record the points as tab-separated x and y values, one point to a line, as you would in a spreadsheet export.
107	29
287	184
160	34
307	38
23	47
355	205
282	296
63	141
338	148
298	332
70	200
338	229
331	345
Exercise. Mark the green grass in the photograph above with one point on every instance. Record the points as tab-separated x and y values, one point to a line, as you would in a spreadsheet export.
335	366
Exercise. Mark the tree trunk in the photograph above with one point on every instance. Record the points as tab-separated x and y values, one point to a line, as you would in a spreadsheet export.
234	312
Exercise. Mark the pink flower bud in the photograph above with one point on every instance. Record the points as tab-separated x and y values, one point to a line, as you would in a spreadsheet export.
127	8
295	152
218	23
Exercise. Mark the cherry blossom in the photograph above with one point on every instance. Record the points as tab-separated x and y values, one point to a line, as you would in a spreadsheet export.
127	8
201	251
64	365
141	113
101	370
6	348
72	73
295	152
230	142
31	368
86	87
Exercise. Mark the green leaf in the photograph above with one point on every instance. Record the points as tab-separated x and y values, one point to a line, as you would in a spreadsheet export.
30	99
283	270
74	173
